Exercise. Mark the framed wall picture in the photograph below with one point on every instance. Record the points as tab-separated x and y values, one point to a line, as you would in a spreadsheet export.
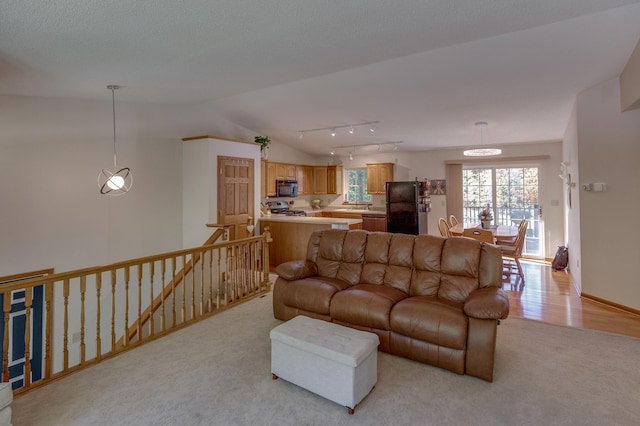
437	187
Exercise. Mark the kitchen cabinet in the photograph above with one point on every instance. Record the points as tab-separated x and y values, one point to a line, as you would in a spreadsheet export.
311	179
334	179
304	176
290	171
263	178
374	223
378	175
320	180
271	179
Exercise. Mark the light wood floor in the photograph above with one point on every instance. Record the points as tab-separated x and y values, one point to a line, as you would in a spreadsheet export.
551	297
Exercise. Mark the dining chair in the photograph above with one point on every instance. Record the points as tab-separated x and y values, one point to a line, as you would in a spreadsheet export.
511	253
484	235
453	220
511	240
443	227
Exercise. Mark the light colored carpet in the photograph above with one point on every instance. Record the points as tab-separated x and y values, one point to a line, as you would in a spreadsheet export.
217	372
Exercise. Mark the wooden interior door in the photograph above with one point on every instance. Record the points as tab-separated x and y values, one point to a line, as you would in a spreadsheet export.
235	194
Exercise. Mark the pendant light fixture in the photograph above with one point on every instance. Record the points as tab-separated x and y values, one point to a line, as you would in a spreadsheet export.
482	151
118	182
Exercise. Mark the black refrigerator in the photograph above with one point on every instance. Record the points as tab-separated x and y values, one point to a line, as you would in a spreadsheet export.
408	204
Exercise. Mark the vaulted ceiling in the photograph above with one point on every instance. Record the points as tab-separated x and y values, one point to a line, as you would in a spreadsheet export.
426	70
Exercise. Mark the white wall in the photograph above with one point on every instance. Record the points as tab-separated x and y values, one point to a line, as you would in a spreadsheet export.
431	165
609	151
52	215
572	216
200	200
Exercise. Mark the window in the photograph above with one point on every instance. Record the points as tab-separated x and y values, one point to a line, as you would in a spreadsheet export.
512	194
356	186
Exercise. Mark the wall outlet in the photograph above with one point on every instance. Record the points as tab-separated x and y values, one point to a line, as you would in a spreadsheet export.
75	337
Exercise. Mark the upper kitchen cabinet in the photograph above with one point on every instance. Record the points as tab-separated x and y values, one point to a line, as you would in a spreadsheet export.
327	179
304	176
377	176
272	176
320	180
334	179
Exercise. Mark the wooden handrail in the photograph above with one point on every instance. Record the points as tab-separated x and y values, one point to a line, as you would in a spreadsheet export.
131	302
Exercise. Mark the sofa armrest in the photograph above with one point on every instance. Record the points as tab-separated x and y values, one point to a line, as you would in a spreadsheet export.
297	270
487	303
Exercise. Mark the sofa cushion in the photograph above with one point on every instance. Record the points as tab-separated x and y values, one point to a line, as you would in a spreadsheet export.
431	320
312	294
366	305
376	258
330	252
353	249
398	272
459	265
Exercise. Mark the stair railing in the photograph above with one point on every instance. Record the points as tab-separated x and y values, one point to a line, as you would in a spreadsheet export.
88	315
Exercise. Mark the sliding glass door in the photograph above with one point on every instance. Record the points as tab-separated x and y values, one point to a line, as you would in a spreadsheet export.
512	194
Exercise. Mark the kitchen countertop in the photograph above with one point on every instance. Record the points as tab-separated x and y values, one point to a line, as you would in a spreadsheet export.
310	219
370	212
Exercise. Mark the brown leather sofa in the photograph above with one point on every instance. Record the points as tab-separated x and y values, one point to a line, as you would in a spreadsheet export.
431	299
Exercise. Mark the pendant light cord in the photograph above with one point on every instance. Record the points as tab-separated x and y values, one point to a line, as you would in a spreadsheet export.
113	105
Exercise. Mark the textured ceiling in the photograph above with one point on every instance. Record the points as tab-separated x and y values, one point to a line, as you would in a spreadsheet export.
426	69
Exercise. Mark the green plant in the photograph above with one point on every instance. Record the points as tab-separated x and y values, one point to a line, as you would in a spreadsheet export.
264	141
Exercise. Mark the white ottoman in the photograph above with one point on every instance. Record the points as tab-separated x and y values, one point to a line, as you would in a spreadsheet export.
6	397
336	362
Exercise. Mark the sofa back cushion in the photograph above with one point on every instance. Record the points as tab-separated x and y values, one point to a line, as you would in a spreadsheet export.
376	258
399	268
427	252
460	265
340	254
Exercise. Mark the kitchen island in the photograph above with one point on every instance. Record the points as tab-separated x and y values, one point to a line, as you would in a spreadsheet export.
290	234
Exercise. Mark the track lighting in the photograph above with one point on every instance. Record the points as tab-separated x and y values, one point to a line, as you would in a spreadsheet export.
353	148
332	129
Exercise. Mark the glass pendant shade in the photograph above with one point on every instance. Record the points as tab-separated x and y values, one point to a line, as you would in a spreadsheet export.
120	181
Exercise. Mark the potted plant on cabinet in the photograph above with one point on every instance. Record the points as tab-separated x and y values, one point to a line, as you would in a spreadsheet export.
264	142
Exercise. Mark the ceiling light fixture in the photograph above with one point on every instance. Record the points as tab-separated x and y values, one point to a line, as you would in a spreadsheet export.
300	135
372	129
351	156
120	182
482	152
332	129
353	148
333	153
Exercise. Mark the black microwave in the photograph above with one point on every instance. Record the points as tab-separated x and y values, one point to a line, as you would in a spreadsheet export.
286	188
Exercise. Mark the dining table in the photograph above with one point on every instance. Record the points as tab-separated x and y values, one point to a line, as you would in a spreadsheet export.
500	232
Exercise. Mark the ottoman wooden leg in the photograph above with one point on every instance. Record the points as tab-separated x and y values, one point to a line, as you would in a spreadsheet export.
350	410
274	376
